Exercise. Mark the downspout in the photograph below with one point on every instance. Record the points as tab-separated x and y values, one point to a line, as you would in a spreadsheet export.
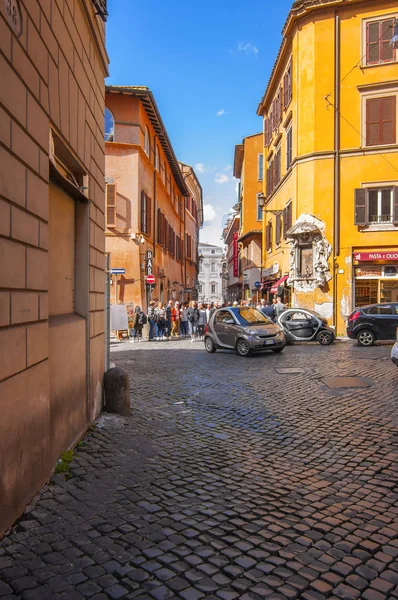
154	201
336	212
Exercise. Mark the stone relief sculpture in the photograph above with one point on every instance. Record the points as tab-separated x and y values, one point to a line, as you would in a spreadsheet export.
308	233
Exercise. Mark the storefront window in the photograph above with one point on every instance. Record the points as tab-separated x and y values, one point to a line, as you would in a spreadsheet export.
388	291
366	292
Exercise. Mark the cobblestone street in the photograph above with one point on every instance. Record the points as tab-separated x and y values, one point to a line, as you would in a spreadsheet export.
234	478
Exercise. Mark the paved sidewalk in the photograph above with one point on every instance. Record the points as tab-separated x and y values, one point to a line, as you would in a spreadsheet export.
234	478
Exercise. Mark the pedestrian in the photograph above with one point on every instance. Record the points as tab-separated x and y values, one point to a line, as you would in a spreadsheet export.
208	312
175	318
169	309
140	319
268	310
202	321
152	321
184	319
193	318
161	322
279	307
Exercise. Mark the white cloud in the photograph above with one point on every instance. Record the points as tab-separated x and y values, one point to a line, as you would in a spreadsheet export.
221	178
220	112
248	49
209	213
228	168
200	168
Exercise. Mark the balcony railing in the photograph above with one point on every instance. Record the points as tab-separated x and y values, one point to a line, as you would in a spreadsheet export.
100	6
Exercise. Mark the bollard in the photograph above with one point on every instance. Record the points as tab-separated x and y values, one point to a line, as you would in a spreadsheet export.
145	332
117	392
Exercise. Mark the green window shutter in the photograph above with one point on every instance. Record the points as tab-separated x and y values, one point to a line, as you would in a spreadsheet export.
361	207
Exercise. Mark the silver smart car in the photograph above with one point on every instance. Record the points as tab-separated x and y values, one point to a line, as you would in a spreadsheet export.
243	329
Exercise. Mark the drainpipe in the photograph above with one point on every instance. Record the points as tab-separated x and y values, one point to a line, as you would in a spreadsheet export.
154	202
336	212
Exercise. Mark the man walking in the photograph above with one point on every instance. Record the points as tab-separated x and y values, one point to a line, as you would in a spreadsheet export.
268	309
279	306
169	310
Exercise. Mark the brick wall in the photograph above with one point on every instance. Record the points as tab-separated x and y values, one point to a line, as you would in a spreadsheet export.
52	74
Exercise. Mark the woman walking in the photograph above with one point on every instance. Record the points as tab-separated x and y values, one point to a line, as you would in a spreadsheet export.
193	319
202	321
161	322
184	320
140	319
175	320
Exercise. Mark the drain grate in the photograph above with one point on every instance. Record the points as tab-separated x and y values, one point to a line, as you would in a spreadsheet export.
335	383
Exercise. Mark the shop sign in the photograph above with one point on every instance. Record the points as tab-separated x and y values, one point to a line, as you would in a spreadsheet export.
149	264
14	17
377	255
271	270
368	271
235	254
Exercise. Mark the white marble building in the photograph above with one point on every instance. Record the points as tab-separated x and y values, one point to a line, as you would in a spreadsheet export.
210	270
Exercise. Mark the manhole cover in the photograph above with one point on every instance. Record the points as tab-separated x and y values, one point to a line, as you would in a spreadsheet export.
346	382
291	371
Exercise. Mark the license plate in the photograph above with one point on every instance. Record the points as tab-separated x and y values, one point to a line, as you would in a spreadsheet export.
269	342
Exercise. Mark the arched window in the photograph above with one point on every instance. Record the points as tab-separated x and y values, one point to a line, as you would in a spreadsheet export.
157	158
147	142
109	126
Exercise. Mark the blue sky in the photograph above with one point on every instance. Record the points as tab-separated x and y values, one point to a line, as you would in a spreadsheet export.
208	64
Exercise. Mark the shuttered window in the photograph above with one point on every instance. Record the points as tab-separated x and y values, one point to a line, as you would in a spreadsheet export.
287	218
289	150
277	168
376	206
278	226
110	205
260	160
381	121
268	236
378	37
146	213
287	86
266	138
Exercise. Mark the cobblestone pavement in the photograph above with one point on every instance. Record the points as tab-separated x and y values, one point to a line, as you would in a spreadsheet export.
230	480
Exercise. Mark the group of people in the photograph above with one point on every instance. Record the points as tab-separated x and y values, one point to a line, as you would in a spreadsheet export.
172	320
188	319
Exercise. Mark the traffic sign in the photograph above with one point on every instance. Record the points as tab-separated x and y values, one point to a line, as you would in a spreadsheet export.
257	284
150	279
118	271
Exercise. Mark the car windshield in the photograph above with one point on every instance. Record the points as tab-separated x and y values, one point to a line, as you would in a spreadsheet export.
250	316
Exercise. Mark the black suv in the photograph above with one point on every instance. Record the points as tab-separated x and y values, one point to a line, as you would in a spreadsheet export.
367	324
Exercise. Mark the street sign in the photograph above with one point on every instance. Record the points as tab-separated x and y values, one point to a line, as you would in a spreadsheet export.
150	279
257	284
118	271
149	257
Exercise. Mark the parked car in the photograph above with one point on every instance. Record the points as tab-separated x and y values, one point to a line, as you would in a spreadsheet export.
394	351
367	324
243	329
304	325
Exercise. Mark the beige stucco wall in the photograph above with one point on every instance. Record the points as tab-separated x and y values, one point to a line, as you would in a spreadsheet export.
51	75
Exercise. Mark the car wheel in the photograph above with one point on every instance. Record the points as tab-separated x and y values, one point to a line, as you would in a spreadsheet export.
325	338
210	345
243	348
366	338
280	349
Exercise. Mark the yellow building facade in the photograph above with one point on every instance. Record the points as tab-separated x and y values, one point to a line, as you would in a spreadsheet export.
249	169
330	194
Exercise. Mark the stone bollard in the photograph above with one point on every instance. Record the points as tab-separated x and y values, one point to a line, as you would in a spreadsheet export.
117	392
145	332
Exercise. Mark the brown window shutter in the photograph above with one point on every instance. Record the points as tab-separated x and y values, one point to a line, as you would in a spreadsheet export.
110	205
388	115
159	226
395	206
373	42
270	235
361	207
267	237
148	216
143	212
387	51
266	132
373	117
284	221
278	230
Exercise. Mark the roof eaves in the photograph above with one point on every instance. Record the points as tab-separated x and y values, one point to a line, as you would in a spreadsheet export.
238	160
148	100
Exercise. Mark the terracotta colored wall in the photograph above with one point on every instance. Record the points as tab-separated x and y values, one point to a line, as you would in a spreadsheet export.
52	74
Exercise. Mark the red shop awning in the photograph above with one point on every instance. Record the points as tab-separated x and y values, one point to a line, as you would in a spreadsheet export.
281	281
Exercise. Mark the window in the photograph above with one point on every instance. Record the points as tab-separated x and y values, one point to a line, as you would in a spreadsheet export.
289	150
268	237
146	213
200	288
287	86
213	251
306	261
277	168
259	208
213	267
378	38
381	121
380	310
287	218
157	157
376	206
147	142
278	227
260	165
109	126
164	171
110	193
213	288
162	224
188	241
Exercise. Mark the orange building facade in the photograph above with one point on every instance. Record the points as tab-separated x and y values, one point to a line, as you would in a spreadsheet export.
52	68
248	168
154	204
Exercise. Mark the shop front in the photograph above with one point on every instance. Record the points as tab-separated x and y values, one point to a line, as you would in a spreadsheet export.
375	276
